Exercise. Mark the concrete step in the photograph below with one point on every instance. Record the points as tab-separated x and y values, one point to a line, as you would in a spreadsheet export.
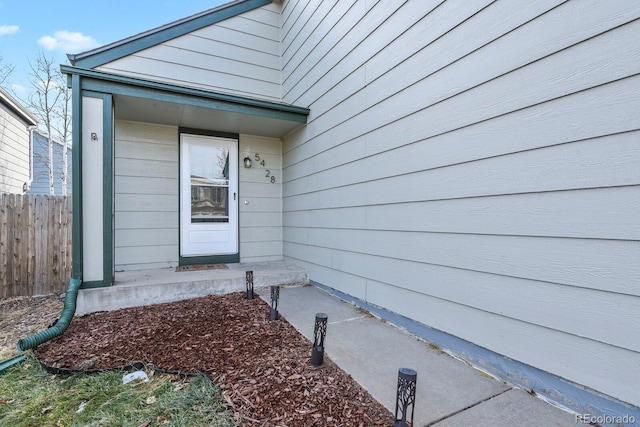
147	287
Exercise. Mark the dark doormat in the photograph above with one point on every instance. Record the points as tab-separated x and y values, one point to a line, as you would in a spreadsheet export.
198	267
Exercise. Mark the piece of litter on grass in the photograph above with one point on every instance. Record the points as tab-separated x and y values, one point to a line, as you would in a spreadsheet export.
151	400
137	375
81	407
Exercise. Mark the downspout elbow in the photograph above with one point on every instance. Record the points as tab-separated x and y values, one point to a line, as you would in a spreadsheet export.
27	184
61	325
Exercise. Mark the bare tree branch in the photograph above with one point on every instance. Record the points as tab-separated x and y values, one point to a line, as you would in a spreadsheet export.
5	71
62	124
50	103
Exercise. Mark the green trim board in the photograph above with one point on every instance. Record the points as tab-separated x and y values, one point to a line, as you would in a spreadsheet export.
93	284
210	259
131	45
107	190
76	177
107	182
204	132
99	81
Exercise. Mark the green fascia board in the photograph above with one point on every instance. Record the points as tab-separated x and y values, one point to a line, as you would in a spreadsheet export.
120	49
100	81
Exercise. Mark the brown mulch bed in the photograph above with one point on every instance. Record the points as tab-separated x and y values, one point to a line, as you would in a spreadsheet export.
262	366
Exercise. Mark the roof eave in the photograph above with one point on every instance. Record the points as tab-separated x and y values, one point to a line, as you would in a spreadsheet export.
17	108
296	113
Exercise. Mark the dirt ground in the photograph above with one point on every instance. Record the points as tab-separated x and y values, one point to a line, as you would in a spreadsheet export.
21	317
262	366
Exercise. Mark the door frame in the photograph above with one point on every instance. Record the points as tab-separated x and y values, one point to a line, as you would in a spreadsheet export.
205	259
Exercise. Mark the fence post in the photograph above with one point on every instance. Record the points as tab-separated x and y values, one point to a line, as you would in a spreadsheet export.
4	201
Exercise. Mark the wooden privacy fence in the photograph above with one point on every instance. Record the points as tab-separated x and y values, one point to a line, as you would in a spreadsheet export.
35	244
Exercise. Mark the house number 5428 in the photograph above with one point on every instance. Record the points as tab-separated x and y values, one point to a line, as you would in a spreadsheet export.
257	158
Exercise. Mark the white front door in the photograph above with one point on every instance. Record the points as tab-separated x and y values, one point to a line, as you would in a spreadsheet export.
208	195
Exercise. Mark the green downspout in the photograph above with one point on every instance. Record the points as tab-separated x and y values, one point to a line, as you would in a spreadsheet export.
71	295
61	325
6	364
74	284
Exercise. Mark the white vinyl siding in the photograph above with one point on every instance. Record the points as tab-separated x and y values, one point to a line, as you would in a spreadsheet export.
40	183
14	152
240	55
261	217
474	166
146	196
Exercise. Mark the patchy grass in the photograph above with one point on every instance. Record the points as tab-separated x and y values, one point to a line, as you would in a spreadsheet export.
30	396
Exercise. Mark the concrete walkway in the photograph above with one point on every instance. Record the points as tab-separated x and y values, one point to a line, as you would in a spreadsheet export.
449	392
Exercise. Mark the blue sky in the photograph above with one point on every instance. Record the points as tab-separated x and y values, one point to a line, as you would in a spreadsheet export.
72	26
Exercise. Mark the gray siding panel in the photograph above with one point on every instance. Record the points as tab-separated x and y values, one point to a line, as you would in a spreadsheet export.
473	166
261	215
240	55
146	196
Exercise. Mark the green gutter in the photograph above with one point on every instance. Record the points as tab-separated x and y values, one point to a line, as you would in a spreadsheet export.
112	83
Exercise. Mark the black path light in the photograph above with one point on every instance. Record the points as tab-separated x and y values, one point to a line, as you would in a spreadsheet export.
249	284
405	397
319	334
275	296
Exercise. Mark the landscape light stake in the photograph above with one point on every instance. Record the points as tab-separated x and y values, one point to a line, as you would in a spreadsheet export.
405	397
275	296
319	334
249	284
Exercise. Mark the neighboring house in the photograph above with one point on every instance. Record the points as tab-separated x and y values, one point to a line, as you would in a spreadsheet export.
16	125
471	165
40	184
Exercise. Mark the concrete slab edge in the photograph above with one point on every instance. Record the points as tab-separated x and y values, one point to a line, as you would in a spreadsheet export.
569	396
461	410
